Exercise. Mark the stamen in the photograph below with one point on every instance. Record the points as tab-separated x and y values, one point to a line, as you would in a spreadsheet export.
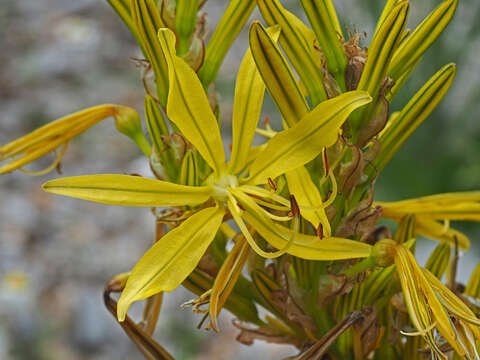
421	332
50	167
255	190
446	227
272	184
267	133
270	205
325	161
251	241
320	233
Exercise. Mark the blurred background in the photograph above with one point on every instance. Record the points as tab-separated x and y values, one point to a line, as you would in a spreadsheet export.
60	56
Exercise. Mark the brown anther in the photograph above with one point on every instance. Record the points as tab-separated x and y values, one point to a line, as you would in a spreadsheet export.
240	206
135	174
272	184
320	233
230	147
325	161
295	209
266	120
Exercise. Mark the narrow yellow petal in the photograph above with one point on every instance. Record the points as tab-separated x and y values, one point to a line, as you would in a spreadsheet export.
449	206
307	195
127	190
188	106
304	246
300	144
171	259
55	134
247	107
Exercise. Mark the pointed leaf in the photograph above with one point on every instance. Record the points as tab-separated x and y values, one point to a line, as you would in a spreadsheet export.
247	107
232	21
188	106
277	75
324	21
298	43
127	190
300	144
146	18
167	263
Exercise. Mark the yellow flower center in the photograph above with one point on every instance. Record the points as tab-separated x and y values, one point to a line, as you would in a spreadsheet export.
221	184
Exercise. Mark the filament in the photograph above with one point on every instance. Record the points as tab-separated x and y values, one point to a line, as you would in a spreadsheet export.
235	211
50	167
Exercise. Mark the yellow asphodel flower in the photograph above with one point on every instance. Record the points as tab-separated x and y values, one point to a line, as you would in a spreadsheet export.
58	133
429	210
431	306
230	186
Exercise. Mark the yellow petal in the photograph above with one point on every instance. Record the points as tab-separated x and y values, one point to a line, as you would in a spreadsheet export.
434	230
247	107
227	277
300	144
449	206
305	246
307	195
167	263
51	136
127	190
188	106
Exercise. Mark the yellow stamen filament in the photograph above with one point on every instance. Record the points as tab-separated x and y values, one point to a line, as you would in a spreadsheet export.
50	167
421	332
267	133
235	211
446	227
271	206
255	190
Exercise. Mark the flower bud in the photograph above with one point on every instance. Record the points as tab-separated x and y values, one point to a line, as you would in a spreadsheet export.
383	252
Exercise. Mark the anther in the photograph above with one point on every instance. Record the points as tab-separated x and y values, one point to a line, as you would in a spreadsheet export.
320	233
325	161
295	209
272	184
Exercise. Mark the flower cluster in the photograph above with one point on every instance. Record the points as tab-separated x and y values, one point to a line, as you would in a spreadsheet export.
290	225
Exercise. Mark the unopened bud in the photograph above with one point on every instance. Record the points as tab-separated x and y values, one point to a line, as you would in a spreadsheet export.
128	123
383	252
